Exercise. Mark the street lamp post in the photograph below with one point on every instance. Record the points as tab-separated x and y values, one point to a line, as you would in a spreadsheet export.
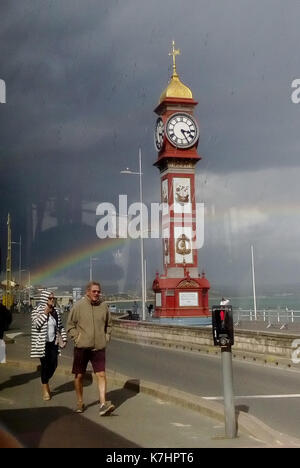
20	266
29	285
145	273
127	171
91	267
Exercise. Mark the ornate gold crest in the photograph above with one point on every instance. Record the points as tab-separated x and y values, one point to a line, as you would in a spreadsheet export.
183	245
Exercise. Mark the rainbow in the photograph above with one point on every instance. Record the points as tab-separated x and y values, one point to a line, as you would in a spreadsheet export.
73	257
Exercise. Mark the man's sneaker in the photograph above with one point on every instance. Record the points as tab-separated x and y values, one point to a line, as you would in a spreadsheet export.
106	408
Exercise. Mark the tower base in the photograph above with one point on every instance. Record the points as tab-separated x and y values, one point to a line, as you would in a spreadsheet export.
184	297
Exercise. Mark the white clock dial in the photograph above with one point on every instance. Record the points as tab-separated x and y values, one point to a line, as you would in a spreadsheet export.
182	130
159	133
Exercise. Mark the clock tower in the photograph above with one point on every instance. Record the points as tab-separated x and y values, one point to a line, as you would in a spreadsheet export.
180	291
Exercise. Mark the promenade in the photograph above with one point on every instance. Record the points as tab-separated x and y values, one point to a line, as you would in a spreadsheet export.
147	415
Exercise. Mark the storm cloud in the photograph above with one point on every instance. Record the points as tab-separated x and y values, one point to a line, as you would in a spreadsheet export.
83	79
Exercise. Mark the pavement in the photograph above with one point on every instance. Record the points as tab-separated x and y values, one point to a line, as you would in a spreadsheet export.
147	415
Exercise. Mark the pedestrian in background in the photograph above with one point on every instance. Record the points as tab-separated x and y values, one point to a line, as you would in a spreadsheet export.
47	336
135	308
89	326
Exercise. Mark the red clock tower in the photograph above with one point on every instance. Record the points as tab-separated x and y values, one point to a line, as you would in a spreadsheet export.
180	291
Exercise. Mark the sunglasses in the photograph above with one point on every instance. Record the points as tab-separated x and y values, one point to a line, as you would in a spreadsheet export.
96	292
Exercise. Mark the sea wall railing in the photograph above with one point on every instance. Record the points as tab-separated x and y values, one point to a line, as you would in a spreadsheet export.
279	318
271	317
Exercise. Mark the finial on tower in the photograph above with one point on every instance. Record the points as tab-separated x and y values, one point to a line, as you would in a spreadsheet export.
173	54
175	88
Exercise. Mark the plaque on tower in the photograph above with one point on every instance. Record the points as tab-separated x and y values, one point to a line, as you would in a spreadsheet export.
158	299
187	299
182	195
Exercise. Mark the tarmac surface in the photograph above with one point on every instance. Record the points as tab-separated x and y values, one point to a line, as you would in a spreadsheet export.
146	415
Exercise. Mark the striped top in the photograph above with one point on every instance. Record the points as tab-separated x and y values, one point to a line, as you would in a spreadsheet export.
39	331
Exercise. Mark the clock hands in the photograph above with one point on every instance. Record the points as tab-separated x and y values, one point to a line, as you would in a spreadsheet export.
186	131
181	130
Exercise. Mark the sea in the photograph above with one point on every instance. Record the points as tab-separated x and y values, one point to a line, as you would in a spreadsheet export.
277	307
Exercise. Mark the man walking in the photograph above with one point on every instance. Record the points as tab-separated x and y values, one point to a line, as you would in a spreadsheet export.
89	326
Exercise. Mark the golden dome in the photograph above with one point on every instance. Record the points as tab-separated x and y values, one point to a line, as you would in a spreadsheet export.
175	88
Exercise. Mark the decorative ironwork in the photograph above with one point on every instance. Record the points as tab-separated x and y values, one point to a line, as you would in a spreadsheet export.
188	283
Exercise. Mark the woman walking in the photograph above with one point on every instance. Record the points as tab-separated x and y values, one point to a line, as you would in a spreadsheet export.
47	336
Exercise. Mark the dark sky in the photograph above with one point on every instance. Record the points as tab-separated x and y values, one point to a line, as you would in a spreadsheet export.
83	79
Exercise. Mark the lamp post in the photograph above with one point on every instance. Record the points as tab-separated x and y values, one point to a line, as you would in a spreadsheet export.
253	283
20	266
29	285
92	259
128	171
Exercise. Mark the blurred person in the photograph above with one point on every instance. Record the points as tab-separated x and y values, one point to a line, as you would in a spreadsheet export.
89	325
5	321
47	336
69	306
150	309
135	308
57	305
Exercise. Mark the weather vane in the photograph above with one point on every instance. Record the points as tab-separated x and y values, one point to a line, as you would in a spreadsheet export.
173	54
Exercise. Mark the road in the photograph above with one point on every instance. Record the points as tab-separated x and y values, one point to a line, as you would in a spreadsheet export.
260	390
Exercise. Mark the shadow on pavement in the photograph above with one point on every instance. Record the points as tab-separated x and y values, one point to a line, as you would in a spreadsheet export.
118	396
60	427
240	409
20	379
69	386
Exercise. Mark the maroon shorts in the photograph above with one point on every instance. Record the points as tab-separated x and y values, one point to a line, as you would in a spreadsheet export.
83	355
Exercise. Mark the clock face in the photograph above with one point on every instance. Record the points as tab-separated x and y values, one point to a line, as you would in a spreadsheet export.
159	134
182	130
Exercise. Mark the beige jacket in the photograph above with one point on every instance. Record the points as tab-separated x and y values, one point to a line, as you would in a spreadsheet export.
89	326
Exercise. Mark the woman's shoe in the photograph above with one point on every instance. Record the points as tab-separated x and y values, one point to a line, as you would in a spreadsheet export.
80	407
46	392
